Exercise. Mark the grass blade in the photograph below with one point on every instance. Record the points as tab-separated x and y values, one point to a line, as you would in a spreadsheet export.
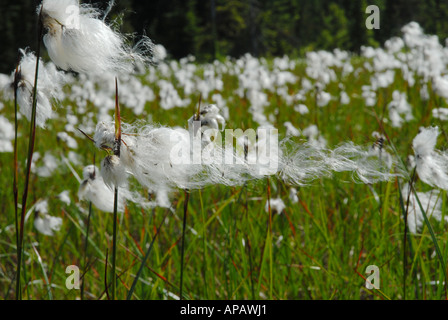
145	258
86	247
184	224
434	239
47	282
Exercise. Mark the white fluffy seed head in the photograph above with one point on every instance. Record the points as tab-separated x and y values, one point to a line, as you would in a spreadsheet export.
277	205
430	201
41	207
43	222
6	135
90	172
113	172
425	142
94	189
209	118
104	134
59	14
47	224
48	87
78	40
431	164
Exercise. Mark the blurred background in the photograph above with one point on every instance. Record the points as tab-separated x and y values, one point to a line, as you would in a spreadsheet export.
210	29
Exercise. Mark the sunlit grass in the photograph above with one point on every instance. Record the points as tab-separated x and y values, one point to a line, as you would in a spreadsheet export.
317	249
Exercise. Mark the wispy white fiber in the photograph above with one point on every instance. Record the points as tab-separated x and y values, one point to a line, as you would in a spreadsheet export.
78	39
431	164
94	189
430	201
48	86
161	157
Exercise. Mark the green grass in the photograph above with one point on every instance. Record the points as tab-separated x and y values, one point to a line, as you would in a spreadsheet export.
318	248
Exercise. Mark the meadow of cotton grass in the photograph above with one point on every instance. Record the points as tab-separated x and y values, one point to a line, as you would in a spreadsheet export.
362	176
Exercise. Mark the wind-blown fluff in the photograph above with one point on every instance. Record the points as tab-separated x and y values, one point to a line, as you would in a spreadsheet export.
303	163
369	165
78	39
48	87
431	164
146	151
161	157
94	189
430	201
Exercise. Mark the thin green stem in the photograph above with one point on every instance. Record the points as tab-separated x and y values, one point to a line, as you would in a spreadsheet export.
87	236
434	239
85	248
184	224
405	264
16	165
270	240
31	143
114	245
116	149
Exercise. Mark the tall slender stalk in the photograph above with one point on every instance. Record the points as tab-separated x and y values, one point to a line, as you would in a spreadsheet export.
87	237
106	286
270	240
15	189
85	249
31	142
428	224
114	246
184	224
405	238
117	146
434	239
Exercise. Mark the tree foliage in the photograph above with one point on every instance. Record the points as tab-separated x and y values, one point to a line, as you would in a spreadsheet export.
210	29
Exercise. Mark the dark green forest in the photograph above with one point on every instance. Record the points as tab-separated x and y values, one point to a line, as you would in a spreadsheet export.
212	29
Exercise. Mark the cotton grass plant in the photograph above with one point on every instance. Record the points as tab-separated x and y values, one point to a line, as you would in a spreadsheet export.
232	252
31	142
71	32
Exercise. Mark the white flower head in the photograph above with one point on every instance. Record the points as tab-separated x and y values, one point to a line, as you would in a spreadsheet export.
209	117
440	86
277	206
47	88
291	130
78	39
71	142
113	172
160	53
93	189
104	134
64	196
50	164
43	222
293	197
440	113
399	109
430	201
431	164
6	135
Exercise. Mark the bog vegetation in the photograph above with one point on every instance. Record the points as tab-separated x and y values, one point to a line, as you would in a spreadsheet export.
361	179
